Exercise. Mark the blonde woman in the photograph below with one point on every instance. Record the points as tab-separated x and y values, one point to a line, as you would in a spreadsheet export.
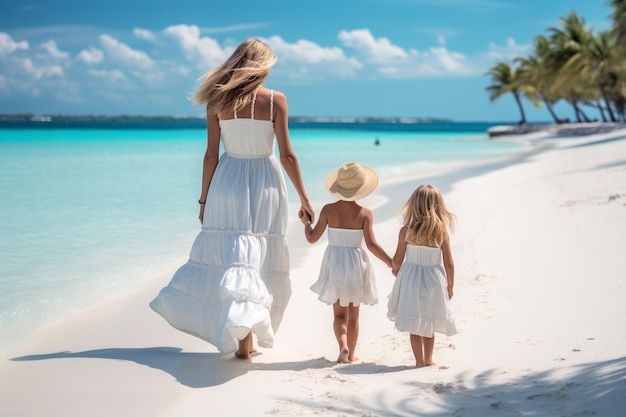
236	281
424	269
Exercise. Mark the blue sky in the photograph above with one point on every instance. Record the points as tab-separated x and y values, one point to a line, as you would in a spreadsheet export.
341	58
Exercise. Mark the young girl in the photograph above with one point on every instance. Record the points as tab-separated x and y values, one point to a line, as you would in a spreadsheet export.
419	301
346	277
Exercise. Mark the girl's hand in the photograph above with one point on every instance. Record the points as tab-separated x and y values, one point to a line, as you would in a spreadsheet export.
304	217
450	292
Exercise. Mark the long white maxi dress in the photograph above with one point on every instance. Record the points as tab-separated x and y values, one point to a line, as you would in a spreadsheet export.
237	275
419	302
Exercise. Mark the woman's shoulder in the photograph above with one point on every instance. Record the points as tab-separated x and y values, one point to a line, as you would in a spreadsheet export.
267	91
278	96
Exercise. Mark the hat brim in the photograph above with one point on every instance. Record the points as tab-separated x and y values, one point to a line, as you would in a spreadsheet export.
369	185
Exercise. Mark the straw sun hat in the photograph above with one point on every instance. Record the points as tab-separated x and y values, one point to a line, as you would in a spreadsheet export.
352	182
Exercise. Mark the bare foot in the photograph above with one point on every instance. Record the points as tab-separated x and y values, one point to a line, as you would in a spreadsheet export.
343	356
353	359
242	355
420	364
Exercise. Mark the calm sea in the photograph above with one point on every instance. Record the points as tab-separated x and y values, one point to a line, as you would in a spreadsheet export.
92	210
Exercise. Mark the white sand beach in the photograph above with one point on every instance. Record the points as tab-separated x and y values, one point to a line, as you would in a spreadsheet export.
539	302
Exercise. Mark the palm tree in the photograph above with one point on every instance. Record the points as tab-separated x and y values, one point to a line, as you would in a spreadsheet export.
505	79
619	32
619	21
572	63
567	44
600	60
535	71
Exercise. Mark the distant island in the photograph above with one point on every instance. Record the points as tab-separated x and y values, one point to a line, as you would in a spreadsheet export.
295	119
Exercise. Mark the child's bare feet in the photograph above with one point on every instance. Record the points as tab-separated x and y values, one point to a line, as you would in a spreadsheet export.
343	356
421	364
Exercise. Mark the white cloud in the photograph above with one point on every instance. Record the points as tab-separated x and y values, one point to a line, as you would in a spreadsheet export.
450	62
91	55
112	76
8	45
125	54
41	72
144	34
509	51
179	53
204	51
306	60
386	60
53	50
376	50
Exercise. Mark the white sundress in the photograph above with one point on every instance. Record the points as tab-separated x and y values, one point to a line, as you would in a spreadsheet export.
346	273
237	275
419	302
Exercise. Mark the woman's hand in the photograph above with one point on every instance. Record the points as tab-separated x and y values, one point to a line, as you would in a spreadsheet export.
201	215
307	210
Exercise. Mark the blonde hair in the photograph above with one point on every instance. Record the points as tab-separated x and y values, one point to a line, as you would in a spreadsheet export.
231	85
426	217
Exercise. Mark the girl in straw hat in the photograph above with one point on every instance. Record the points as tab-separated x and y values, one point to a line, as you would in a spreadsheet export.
419	301
346	278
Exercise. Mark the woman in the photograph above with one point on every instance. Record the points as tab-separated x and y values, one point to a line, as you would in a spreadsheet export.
236	281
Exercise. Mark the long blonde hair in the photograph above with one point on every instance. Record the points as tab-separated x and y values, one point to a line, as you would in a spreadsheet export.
231	85
427	219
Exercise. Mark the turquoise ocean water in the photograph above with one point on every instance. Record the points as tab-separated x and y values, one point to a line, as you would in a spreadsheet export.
89	212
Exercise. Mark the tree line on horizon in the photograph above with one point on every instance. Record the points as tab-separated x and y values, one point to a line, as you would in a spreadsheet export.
573	63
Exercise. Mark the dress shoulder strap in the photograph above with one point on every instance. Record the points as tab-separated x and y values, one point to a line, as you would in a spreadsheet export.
271	105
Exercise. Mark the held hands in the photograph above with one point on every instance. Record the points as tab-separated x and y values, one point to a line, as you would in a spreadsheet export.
305	218
306	213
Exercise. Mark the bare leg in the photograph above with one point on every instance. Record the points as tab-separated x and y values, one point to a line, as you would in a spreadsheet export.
353	331
340	326
245	347
418	352
429	345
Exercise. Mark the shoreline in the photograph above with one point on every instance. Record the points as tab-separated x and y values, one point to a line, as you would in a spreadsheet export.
529	235
563	130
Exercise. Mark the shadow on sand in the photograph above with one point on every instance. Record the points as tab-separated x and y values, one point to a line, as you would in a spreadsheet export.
195	370
590	389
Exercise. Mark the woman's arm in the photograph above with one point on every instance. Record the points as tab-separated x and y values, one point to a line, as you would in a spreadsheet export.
288	157
370	239
448	265
211	158
398	258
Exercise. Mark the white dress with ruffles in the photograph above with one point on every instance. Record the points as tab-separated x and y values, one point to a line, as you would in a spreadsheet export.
419	302
346	273
237	275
